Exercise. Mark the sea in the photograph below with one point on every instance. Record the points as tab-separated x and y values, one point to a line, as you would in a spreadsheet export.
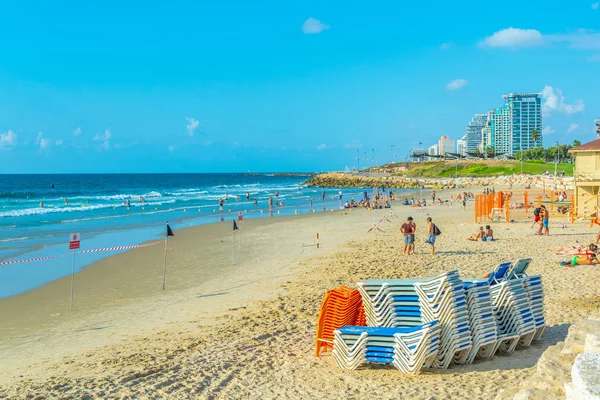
38	213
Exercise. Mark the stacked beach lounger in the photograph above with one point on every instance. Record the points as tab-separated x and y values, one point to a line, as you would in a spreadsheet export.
408	349
482	321
407	303
535	291
341	306
422	323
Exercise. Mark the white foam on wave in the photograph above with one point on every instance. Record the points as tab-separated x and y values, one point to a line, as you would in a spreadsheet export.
50	210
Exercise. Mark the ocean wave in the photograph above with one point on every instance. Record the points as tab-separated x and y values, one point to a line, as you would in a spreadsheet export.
50	210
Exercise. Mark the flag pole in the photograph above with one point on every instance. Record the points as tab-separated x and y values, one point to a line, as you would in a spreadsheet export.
72	279
165	264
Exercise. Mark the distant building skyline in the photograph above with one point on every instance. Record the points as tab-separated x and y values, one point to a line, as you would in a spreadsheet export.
474	131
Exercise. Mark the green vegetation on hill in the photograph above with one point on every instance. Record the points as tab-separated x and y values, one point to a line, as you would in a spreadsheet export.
441	169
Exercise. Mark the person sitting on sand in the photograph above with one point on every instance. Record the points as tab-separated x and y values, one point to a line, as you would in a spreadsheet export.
489	233
477	236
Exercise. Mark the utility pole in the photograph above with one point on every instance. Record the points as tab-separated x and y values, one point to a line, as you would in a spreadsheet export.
556	161
373	157
392	156
357	160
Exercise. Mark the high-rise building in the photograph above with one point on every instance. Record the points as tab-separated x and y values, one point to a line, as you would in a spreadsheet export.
473	132
434	150
511	127
445	145
461	147
521	118
487	132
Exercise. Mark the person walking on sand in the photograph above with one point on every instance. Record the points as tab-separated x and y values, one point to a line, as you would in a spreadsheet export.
464	201
433	196
432	233
409	236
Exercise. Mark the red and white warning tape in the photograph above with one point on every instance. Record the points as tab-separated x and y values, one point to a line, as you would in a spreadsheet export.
29	260
113	248
116	248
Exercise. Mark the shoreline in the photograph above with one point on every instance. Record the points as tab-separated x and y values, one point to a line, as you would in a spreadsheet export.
248	330
98	238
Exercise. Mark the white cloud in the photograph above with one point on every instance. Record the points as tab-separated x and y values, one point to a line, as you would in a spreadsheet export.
192	125
456	84
573	128
594	58
322	146
548	130
171	148
596	5
8	139
555	102
104	138
77	131
59	142
313	26
41	141
447	46
514	37
353	145
581	39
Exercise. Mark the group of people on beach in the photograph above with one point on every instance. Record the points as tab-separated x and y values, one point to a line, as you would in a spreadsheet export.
582	255
483	235
409	229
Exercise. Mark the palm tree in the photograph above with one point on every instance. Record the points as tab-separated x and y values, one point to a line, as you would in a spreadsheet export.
534	136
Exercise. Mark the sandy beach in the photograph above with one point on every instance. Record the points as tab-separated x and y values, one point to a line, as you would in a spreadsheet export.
247	330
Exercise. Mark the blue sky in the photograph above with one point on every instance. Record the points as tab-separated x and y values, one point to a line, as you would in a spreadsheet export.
277	85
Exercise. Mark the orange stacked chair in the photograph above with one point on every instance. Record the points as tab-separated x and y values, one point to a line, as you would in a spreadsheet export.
342	306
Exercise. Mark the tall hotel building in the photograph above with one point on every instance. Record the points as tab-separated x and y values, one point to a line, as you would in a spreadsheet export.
513	124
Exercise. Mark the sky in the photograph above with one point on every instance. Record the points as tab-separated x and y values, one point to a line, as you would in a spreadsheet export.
236	86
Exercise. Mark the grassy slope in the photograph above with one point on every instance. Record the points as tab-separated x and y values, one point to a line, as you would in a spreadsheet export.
480	168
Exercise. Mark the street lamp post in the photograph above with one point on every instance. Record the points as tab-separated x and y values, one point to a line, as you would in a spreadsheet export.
357	160
556	161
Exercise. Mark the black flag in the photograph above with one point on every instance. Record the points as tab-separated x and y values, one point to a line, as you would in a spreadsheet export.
235	227
169	231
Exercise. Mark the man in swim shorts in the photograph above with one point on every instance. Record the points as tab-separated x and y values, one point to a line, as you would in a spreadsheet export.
407	229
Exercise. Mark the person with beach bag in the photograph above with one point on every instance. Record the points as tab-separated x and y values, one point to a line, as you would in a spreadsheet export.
432	231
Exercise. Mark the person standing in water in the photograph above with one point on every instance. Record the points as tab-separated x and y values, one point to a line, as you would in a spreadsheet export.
221	204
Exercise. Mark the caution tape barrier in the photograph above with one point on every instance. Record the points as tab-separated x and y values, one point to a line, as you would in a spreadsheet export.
115	248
